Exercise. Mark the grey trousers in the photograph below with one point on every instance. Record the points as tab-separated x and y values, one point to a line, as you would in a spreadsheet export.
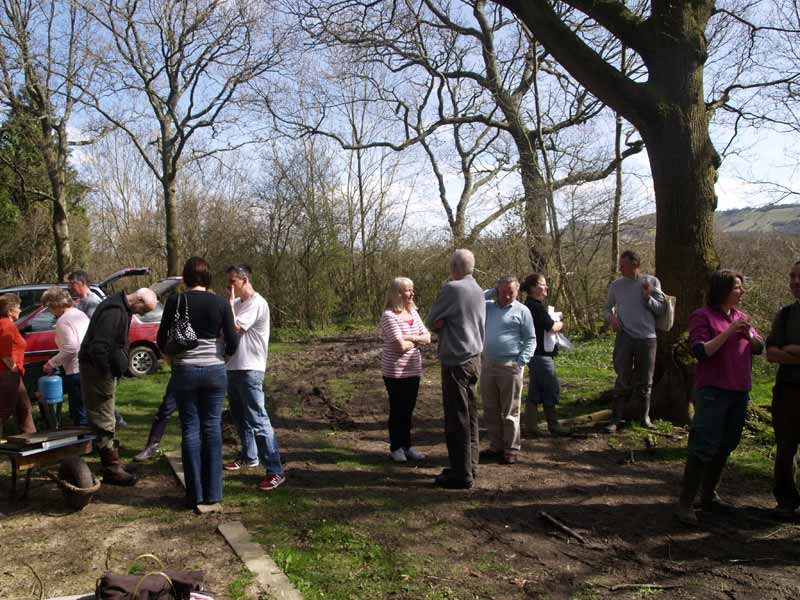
501	395
634	363
461	417
99	399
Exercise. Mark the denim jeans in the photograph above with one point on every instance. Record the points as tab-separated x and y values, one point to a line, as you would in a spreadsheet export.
719	417
72	385
249	412
200	392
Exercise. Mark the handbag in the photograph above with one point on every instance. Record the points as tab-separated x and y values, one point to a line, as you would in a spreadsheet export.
181	336
155	585
666	321
163	584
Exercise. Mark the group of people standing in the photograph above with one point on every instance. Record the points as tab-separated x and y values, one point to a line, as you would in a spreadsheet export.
490	336
483	334
229	357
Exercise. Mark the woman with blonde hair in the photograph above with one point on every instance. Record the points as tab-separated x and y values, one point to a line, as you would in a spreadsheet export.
402	331
13	395
71	326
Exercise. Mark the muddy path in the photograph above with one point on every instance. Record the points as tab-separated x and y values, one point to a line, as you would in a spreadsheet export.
616	497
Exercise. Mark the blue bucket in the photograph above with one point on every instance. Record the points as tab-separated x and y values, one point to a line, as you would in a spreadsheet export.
50	389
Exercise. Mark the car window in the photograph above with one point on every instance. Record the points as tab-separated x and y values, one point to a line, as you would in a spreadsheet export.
154	316
44	321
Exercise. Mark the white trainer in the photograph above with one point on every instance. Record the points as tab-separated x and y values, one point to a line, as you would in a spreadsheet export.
399	455
414	454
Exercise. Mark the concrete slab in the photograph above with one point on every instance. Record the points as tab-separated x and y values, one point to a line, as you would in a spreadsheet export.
269	575
174	459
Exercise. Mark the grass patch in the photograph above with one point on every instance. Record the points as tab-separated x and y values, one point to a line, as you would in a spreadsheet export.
363	568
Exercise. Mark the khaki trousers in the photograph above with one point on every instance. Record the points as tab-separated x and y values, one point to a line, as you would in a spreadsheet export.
98	396
501	394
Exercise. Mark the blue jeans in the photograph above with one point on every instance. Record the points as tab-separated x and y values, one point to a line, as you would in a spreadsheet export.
200	392
72	385
719	417
249	412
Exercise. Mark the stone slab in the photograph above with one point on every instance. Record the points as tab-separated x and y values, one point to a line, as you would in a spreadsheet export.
269	575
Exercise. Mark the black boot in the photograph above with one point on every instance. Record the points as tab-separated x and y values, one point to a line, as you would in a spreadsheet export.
151	449
114	472
148	452
616	414
709	500
692	476
553	426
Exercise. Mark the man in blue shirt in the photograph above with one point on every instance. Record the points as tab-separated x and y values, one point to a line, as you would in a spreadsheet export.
509	345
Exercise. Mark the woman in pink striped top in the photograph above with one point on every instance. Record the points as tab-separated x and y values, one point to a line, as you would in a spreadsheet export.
402	331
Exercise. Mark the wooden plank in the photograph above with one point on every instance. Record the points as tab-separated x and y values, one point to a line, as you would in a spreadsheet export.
46	436
269	575
49	457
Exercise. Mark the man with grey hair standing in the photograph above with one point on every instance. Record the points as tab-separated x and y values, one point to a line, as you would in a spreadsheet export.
510	344
458	316
634	302
102	358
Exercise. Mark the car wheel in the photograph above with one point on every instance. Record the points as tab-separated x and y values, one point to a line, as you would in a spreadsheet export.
142	361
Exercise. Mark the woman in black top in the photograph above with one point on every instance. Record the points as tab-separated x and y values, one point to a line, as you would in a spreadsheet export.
543	386
199	381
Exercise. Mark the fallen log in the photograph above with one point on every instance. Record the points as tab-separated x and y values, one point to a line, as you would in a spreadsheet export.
595	417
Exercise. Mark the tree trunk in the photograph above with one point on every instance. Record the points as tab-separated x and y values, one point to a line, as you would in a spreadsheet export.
56	164
615	208
684	166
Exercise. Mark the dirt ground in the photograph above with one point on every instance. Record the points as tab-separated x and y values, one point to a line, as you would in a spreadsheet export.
488	542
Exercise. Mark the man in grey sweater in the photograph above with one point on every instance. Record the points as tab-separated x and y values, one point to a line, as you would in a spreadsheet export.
634	302
458	316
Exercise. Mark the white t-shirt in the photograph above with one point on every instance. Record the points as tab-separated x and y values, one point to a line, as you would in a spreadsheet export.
252	318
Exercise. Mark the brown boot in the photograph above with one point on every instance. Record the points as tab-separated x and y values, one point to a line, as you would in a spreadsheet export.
114	472
530	421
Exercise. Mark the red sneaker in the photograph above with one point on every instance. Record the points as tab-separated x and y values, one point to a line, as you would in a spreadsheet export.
271	481
238	464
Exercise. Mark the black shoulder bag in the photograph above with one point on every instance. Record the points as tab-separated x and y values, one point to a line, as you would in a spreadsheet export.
181	336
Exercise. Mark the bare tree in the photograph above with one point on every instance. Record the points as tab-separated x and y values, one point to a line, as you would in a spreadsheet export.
460	65
182	67
43	72
671	112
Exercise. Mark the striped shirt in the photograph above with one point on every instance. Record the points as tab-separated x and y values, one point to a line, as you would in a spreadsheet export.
396	364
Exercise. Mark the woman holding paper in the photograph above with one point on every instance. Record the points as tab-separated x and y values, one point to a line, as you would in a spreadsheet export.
543	386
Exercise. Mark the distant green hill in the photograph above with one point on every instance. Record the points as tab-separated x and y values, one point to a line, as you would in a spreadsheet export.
783	219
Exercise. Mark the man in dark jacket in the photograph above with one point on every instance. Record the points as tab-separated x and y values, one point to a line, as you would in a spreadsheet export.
102	358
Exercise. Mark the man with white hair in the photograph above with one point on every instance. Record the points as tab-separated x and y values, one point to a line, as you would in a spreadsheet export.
102	358
510	344
458	316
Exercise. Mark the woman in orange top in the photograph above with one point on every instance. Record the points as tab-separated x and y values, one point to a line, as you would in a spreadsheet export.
13	396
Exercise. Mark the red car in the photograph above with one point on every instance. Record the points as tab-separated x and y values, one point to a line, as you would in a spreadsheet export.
38	327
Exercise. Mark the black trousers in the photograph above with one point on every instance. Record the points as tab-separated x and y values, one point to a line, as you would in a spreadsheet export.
461	417
402	400
786	422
